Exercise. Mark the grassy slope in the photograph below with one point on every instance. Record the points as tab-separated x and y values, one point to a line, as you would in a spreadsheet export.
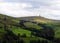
54	23
17	30
11	20
38	19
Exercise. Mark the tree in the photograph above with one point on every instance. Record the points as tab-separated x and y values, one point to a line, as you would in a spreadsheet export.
24	35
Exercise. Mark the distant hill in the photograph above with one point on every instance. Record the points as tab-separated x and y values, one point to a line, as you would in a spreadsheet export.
38	19
9	20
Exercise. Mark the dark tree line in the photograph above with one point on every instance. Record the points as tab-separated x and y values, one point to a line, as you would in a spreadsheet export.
46	32
10	37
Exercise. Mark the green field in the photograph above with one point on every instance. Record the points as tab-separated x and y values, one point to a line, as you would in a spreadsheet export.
10	23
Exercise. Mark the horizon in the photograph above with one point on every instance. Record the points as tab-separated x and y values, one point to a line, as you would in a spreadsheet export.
21	8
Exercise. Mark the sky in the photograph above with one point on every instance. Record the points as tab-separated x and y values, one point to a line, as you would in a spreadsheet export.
21	8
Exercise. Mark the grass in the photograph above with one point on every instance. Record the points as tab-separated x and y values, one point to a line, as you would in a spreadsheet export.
56	27
18	30
31	25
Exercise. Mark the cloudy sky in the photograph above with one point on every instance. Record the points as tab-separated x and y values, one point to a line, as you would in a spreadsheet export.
21	8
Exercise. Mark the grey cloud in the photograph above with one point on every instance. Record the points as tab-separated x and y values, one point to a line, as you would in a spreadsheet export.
34	3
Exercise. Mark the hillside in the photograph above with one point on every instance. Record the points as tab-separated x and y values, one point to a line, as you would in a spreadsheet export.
32	28
15	21
7	20
29	18
38	19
